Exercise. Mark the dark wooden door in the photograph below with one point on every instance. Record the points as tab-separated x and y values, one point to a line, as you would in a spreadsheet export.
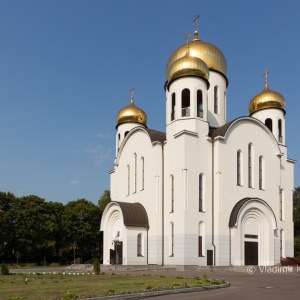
251	253
119	252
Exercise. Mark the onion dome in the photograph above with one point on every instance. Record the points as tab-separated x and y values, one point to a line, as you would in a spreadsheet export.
131	114
187	66
266	99
210	54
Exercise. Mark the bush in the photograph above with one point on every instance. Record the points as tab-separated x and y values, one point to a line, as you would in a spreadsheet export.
97	268
4	269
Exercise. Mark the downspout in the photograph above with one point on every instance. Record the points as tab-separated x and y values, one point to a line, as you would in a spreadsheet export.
213	202
162	205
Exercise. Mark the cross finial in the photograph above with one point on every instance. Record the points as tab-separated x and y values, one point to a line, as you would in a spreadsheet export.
196	21
132	93
187	38
266	78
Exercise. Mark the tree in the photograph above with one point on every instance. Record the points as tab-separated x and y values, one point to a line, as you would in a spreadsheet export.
104	200
296	206
81	228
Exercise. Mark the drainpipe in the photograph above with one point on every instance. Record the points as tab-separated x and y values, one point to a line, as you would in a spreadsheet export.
213	201
162	205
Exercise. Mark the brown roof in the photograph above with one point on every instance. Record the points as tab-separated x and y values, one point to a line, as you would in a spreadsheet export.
156	136
220	131
134	214
239	205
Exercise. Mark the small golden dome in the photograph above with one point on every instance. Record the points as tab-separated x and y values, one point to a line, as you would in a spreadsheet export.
266	99
210	54
187	65
131	114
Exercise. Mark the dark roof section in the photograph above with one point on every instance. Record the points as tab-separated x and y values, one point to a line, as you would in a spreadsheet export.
220	131
134	214
239	205
156	136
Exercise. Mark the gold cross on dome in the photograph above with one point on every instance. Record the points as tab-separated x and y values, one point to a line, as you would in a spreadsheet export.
132	92
266	76
187	38
196	21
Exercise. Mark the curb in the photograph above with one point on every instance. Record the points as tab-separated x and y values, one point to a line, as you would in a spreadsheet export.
162	293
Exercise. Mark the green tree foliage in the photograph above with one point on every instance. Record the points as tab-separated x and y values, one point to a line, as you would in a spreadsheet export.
81	221
7	232
104	200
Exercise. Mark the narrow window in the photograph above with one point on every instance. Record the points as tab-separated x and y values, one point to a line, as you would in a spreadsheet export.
199	104
201	239
172	239
250	165
260	167
135	172
139	245
239	168
172	193
173	107
119	140
126	132
279	131
216	100
128	179
200	246
281	204
269	124
225	105
200	192
143	173
185	103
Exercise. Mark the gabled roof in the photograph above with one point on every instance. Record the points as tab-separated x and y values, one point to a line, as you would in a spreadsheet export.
220	131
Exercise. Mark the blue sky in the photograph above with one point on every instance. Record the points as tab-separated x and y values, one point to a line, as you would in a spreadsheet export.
66	69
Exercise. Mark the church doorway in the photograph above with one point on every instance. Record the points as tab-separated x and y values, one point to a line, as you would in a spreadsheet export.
251	253
118	252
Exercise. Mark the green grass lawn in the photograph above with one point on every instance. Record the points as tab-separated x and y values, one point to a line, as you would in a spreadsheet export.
59	286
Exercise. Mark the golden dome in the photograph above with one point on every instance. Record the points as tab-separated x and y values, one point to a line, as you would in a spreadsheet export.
187	65
131	114
210	54
266	99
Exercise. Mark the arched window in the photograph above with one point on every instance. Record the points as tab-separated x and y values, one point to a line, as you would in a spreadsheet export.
199	104
216	100
279	131
200	192
119	141
260	167
172	193
135	172
126	132
128	179
139	245
173	106
225	105
238	161
143	172
269	124
250	181
185	103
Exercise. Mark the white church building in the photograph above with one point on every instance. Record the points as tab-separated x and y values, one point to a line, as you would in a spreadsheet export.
206	191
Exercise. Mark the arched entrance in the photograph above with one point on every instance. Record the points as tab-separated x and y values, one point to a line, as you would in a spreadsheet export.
253	230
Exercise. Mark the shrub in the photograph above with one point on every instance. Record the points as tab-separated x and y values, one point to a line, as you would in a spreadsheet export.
97	268
69	295
4	269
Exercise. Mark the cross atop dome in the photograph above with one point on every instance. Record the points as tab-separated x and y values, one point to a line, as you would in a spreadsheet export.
266	78
196	26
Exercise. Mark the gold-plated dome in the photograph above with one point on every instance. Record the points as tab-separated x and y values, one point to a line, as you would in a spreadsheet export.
131	114
210	54
266	99
187	65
